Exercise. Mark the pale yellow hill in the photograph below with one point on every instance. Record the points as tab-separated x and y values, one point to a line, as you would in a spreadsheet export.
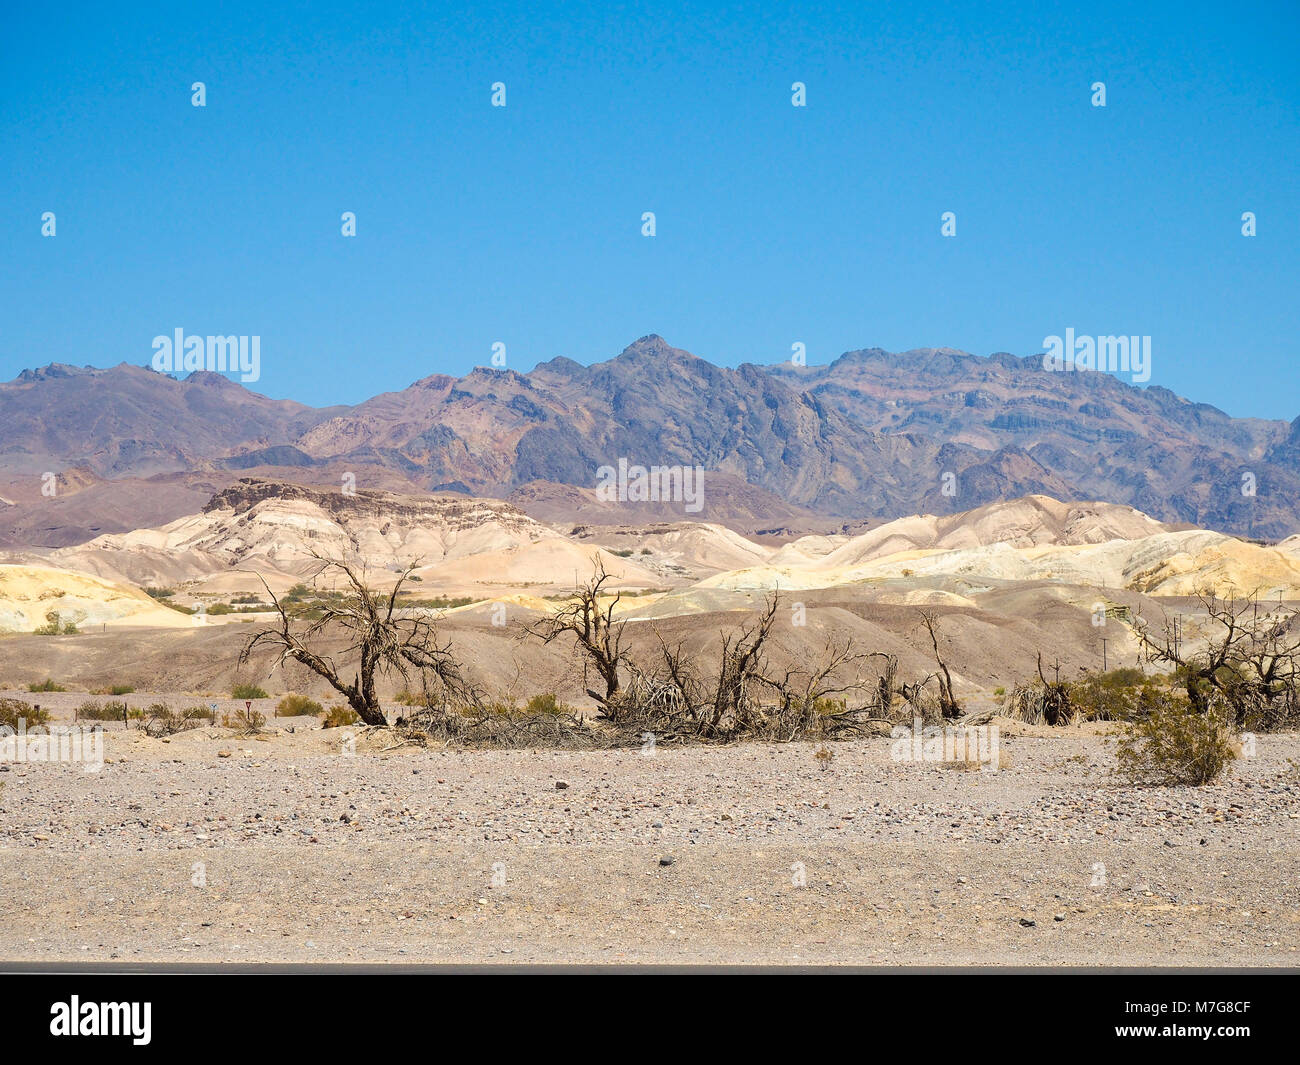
1168	563
29	593
1023	523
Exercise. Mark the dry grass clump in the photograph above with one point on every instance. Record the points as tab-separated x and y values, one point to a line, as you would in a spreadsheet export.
161	720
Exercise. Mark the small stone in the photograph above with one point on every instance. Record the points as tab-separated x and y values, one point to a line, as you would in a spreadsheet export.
1059	917
223	754
1025	922
667	859
560	785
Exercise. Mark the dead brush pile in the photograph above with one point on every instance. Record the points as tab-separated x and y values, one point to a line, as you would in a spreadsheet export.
504	726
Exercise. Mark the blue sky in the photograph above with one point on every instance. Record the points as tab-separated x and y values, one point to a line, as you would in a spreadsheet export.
775	224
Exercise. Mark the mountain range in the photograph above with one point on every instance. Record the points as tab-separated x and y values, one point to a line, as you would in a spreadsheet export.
787	449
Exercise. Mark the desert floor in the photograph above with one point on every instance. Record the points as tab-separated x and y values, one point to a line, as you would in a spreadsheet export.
292	847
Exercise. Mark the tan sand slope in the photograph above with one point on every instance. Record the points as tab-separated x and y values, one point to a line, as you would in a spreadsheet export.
28	593
677	550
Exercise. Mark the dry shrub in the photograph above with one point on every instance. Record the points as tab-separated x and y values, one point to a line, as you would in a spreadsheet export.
94	710
340	717
1176	744
161	720
503	725
12	710
245	720
298	706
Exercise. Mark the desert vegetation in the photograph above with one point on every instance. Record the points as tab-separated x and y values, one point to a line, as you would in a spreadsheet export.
381	638
57	624
12	711
298	706
1175	723
160	720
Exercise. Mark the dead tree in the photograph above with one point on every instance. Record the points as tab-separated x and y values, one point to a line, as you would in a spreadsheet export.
740	668
948	705
379	637
1250	659
815	698
1055	707
598	637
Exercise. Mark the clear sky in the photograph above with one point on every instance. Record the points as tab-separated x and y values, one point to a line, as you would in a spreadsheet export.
775	224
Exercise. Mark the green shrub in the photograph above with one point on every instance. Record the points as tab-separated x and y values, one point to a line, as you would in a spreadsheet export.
340	717
1121	695
247	691
46	685
94	710
298	706
545	703
1174	744
11	710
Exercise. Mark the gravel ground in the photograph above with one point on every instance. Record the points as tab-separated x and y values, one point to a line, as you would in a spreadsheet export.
287	847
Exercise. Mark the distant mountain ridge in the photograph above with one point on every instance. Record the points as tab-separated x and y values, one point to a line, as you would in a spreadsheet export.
873	435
